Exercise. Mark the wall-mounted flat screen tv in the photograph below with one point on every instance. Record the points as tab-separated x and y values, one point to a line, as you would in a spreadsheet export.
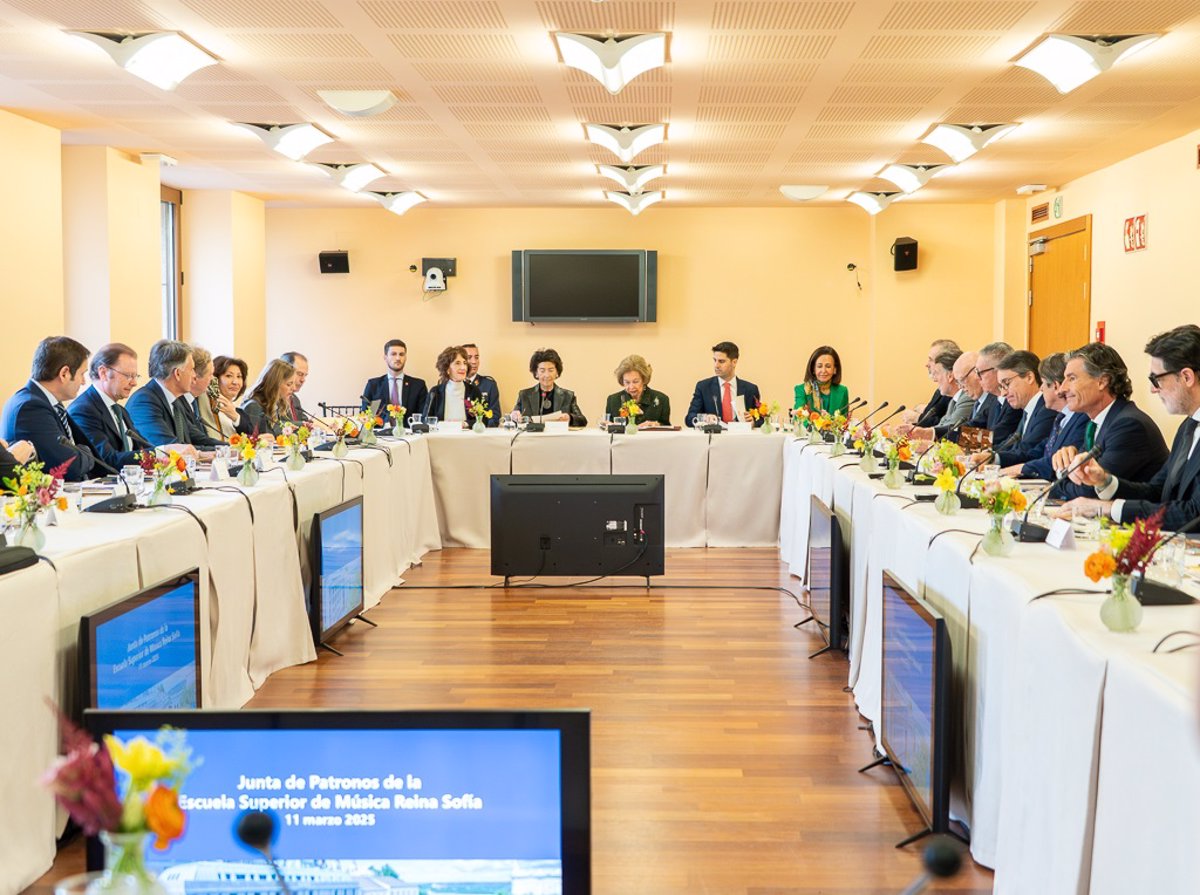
585	286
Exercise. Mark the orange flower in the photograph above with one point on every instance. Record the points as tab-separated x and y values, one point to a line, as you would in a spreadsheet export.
164	817
61	503
379	421
181	464
814	417
904	452
235	440
1018	501
1099	565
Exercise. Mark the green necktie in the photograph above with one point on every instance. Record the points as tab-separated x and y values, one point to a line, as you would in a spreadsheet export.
1089	436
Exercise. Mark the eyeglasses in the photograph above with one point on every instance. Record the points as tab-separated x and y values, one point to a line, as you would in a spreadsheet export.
980	372
1005	383
1155	377
132	377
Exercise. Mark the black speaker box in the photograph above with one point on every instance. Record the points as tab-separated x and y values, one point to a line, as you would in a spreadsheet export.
334	262
904	253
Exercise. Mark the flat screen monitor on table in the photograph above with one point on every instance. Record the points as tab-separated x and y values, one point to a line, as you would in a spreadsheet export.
143	652
404	801
337	566
828	577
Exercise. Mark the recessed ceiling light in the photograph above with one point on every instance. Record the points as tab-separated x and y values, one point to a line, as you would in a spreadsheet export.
633	179
358	103
635	203
961	141
293	140
873	203
1068	60
911	178
398	203
1030	188
164	58
802	192
626	143
614	63
353	177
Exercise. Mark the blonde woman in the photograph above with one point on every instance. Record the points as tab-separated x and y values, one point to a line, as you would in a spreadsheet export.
265	410
633	374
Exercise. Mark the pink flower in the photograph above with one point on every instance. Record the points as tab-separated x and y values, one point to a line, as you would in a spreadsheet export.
84	783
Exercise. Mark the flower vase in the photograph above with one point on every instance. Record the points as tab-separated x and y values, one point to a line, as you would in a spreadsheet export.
340	449
893	478
630	426
838	448
814	436
998	541
295	459
766	428
1121	611
368	436
125	858
160	496
478	427
30	535
947	503
867	463
247	476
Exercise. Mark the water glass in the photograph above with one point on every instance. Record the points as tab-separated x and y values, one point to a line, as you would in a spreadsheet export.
991	472
73	492
134	478
414	419
1087	528
432	421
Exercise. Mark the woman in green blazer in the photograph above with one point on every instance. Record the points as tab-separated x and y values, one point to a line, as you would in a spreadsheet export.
822	387
633	373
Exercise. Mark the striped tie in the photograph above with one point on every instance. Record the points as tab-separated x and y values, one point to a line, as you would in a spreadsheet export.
64	422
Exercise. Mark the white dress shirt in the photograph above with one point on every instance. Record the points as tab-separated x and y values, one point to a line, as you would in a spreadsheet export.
127	444
455	408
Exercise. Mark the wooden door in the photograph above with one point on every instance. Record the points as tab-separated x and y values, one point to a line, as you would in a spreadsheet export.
1060	286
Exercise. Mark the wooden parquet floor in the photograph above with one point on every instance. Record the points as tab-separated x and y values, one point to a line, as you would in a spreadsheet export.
724	760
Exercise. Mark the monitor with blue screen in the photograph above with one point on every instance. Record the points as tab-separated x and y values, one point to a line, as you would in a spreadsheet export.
435	801
337	566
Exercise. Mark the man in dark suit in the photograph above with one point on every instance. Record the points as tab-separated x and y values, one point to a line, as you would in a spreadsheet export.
1022	386
300	362
98	411
159	409
36	412
1175	378
995	413
486	384
1097	384
393	387
718	394
928	414
1066	429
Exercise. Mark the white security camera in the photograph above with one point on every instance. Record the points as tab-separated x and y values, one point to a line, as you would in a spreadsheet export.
434	280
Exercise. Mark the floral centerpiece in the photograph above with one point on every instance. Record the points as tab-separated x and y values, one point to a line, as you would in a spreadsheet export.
898	452
630	411
764	412
293	440
366	429
478	408
998	498
33	491
817	423
838	423
245	447
1124	549
396	413
345	428
163	469
126	793
942	461
865	439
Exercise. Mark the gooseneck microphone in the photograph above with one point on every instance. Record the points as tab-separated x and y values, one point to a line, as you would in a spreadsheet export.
79	449
969	502
256	830
1031	532
912	473
873	412
316	420
899	409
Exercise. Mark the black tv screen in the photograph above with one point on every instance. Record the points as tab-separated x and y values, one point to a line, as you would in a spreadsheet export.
577	525
595	285
916	700
828	575
337	564
396	801
143	652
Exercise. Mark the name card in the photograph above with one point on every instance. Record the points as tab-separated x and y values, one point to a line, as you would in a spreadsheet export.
558	427
1062	535
449	427
219	471
738	427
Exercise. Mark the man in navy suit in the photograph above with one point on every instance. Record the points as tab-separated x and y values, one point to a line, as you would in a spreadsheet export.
1022	386
300	362
486	384
927	415
1097	384
1175	378
393	387
98	411
36	412
718	394
159	408
1067	428
995	414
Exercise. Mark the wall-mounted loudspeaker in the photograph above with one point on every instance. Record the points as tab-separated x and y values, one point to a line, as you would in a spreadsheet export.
334	262
904	253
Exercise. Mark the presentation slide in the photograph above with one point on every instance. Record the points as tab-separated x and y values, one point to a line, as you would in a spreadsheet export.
341	565
908	660
411	810
146	658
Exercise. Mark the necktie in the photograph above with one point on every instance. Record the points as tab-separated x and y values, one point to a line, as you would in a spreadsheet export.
121	427
726	404
1089	436
1179	459
1021	426
1055	430
64	422
179	415
395	391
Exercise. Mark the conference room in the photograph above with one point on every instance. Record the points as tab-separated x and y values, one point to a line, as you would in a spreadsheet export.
530	215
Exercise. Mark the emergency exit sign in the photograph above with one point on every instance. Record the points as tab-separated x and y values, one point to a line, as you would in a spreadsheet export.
1135	233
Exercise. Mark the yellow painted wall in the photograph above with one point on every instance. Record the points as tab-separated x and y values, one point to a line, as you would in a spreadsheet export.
248	225
31	248
85	239
772	280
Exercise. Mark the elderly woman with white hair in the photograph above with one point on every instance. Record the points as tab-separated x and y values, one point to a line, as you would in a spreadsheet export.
633	374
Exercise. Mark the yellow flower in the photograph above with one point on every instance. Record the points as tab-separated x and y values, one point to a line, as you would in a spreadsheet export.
143	761
946	481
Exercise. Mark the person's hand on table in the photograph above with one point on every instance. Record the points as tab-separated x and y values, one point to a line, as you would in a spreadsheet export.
921	433
1087	507
1090	473
22	450
1063	457
1012	471
980	457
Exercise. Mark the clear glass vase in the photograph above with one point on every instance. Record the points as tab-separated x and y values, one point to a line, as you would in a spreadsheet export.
295	459
478	428
340	448
947	503
368	436
247	476
893	478
814	436
766	428
29	534
160	496
998	541
867	464
839	448
125	858
1121	611
630	426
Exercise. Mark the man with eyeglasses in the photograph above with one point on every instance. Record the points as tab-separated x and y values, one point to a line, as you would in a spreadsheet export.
992	412
1175	378
1097	384
1068	427
1021	384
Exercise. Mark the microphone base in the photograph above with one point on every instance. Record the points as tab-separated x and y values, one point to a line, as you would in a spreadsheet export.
122	503
535	427
967	502
1155	593
1028	532
185	486
712	428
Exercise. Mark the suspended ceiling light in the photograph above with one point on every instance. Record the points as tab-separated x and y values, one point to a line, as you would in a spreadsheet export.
293	140
614	63
911	178
358	103
398	203
633	179
353	177
872	203
626	143
802	192
1068	60
636	202
961	141
164	58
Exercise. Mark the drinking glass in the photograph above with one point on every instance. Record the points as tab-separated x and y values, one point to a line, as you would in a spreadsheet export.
991	472
432	421
414	419
134	477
